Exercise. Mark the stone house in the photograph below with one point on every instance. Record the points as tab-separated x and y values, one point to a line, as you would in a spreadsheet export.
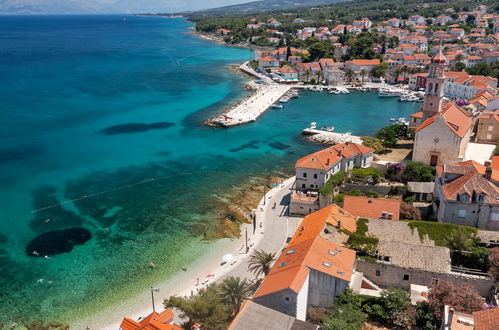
311	273
313	171
488	127
334	75
467	193
404	259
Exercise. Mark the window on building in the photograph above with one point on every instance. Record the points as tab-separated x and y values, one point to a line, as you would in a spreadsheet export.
304	174
315	175
462	213
286	299
480	198
406	277
303	185
378	272
463	198
489	136
494	216
491	128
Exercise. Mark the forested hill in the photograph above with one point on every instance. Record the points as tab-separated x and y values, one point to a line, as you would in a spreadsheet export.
338	13
259	6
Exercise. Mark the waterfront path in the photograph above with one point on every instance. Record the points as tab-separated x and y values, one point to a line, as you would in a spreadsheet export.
252	107
271	237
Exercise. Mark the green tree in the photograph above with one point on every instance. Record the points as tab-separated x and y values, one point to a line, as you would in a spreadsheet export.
321	49
417	171
379	70
205	308
460	66
425	318
350	74
260	261
387	136
233	291
373	143
346	313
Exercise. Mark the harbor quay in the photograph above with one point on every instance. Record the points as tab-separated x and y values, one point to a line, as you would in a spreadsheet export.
267	93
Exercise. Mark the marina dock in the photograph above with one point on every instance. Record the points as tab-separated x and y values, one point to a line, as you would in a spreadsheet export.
327	137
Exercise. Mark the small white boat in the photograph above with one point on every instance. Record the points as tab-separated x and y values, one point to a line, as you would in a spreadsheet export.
284	99
335	91
277	106
313	125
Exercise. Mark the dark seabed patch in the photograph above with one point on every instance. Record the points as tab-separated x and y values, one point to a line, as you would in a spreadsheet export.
135	127
249	145
57	242
279	145
8	155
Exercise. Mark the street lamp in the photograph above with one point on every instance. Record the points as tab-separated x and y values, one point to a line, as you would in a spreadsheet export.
152	297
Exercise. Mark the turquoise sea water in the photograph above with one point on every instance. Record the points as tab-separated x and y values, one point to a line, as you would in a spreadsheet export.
92	108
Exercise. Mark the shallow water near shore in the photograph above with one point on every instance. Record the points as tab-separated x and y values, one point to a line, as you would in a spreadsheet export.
101	130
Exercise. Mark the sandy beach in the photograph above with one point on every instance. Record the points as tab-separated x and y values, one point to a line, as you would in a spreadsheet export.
208	269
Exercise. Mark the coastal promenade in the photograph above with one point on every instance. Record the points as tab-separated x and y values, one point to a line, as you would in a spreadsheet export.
273	227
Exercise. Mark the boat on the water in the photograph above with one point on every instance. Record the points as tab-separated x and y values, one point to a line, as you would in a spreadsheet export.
277	106
284	99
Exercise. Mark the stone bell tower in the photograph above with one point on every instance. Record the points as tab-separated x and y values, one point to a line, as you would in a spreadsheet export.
434	86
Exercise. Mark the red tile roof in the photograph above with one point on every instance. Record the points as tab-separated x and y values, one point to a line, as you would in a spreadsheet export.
471	181
365	62
326	158
368	207
456	119
154	321
293	266
313	224
487	319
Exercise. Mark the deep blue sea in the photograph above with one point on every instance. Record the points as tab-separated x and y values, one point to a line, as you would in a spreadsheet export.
92	108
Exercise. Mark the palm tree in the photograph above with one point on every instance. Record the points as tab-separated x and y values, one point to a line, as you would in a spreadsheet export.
260	262
350	74
363	73
234	291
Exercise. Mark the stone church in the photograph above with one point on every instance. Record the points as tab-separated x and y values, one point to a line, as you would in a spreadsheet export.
442	130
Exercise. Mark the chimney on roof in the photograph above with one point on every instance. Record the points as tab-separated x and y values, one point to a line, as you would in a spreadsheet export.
488	173
327	162
338	224
302	228
370	201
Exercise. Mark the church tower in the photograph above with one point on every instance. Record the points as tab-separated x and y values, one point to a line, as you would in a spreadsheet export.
434	86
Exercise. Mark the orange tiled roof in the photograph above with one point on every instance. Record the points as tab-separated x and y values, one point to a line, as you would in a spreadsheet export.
455	118
495	163
154	321
471	181
326	158
486	319
368	207
294	264
287	69
365	62
418	114
313	224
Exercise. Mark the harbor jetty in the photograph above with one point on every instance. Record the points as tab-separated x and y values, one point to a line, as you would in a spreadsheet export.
329	137
251	107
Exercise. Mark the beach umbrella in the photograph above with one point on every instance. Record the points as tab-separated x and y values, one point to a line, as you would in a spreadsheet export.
228	258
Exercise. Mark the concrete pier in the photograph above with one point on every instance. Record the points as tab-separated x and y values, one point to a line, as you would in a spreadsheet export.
327	137
252	107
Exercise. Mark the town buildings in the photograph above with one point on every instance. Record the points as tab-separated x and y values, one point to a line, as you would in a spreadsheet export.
368	207
157	321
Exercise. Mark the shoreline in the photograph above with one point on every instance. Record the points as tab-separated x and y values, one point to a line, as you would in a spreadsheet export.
185	283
